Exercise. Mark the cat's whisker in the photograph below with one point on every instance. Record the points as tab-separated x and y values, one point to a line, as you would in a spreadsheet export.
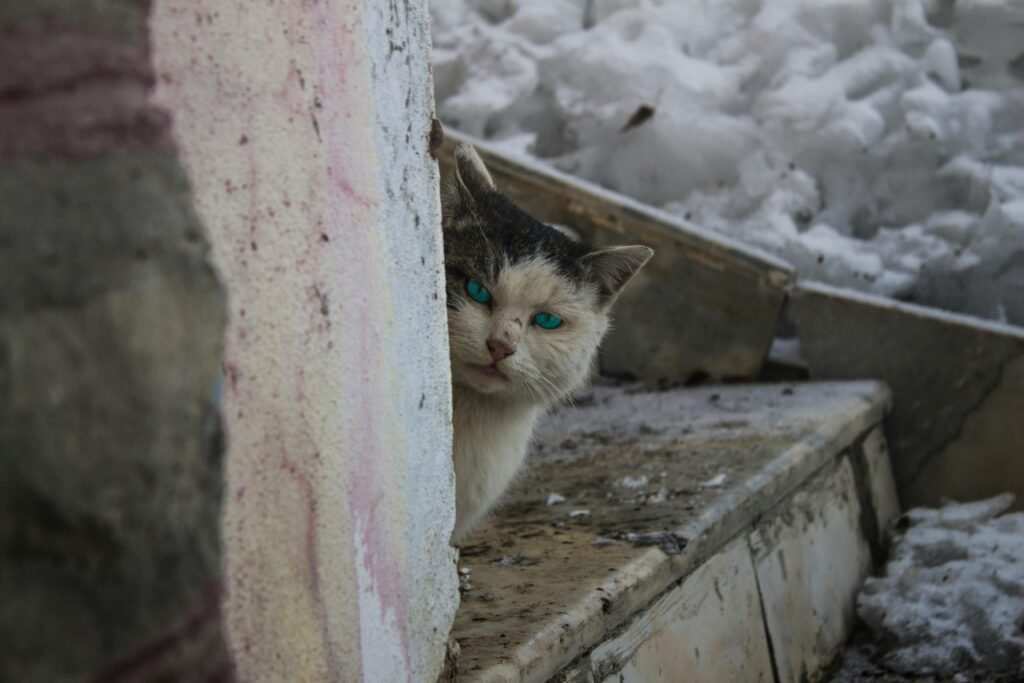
548	389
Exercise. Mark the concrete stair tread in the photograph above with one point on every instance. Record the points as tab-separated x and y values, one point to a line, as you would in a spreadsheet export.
549	582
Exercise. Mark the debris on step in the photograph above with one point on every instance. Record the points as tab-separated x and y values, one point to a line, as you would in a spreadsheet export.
671	543
714	482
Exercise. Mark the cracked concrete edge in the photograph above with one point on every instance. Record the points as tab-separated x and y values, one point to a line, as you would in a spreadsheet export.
985	456
795	465
875	489
810	609
716	611
557	645
921	462
773	656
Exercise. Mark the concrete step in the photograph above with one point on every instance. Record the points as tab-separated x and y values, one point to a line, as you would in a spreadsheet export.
713	534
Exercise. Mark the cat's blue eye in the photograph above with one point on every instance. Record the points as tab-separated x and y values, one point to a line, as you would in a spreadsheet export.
548	321
477	292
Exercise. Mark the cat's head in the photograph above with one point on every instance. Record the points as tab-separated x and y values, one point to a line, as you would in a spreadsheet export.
527	305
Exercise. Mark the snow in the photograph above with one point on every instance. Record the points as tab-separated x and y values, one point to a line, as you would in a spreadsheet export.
873	144
952	597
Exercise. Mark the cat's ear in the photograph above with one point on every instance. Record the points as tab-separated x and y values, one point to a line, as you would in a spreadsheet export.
471	172
613	267
469	184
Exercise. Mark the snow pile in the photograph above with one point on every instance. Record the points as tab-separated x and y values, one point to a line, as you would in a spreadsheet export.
873	144
952	598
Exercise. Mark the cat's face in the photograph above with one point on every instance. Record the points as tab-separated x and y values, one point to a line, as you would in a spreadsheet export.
527	305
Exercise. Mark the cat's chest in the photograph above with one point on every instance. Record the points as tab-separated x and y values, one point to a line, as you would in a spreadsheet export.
486	431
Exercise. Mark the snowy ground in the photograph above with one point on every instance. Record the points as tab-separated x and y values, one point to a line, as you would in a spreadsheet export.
873	144
951	600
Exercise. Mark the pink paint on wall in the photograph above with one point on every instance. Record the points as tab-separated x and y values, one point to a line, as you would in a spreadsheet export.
339	481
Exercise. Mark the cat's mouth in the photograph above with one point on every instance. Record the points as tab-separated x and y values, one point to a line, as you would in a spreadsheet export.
489	370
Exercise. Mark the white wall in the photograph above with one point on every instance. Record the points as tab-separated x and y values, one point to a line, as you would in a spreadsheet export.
304	130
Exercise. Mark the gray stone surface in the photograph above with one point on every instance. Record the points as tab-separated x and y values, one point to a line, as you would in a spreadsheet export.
110	332
956	429
691	467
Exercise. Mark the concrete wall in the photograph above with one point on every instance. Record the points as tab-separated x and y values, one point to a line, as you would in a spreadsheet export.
304	131
170	170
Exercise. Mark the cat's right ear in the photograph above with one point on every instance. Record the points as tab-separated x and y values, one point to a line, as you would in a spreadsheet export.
613	267
467	187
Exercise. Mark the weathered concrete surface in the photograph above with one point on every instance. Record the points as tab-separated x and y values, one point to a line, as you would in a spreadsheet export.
812	558
304	128
549	585
726	299
111	322
957	425
710	628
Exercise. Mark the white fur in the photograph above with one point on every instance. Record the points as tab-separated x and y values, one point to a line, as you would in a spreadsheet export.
493	417
491	438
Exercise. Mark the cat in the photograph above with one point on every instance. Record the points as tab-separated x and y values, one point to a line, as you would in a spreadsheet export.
527	308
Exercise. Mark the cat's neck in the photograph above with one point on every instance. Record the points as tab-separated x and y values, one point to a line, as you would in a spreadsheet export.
466	400
491	436
475	412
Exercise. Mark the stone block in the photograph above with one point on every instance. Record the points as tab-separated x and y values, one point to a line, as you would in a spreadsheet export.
710	628
811	558
689	470
956	429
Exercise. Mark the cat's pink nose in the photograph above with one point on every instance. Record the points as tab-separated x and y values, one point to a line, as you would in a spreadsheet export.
499	349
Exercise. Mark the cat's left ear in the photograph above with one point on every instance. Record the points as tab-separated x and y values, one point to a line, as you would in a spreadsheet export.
613	267
468	186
